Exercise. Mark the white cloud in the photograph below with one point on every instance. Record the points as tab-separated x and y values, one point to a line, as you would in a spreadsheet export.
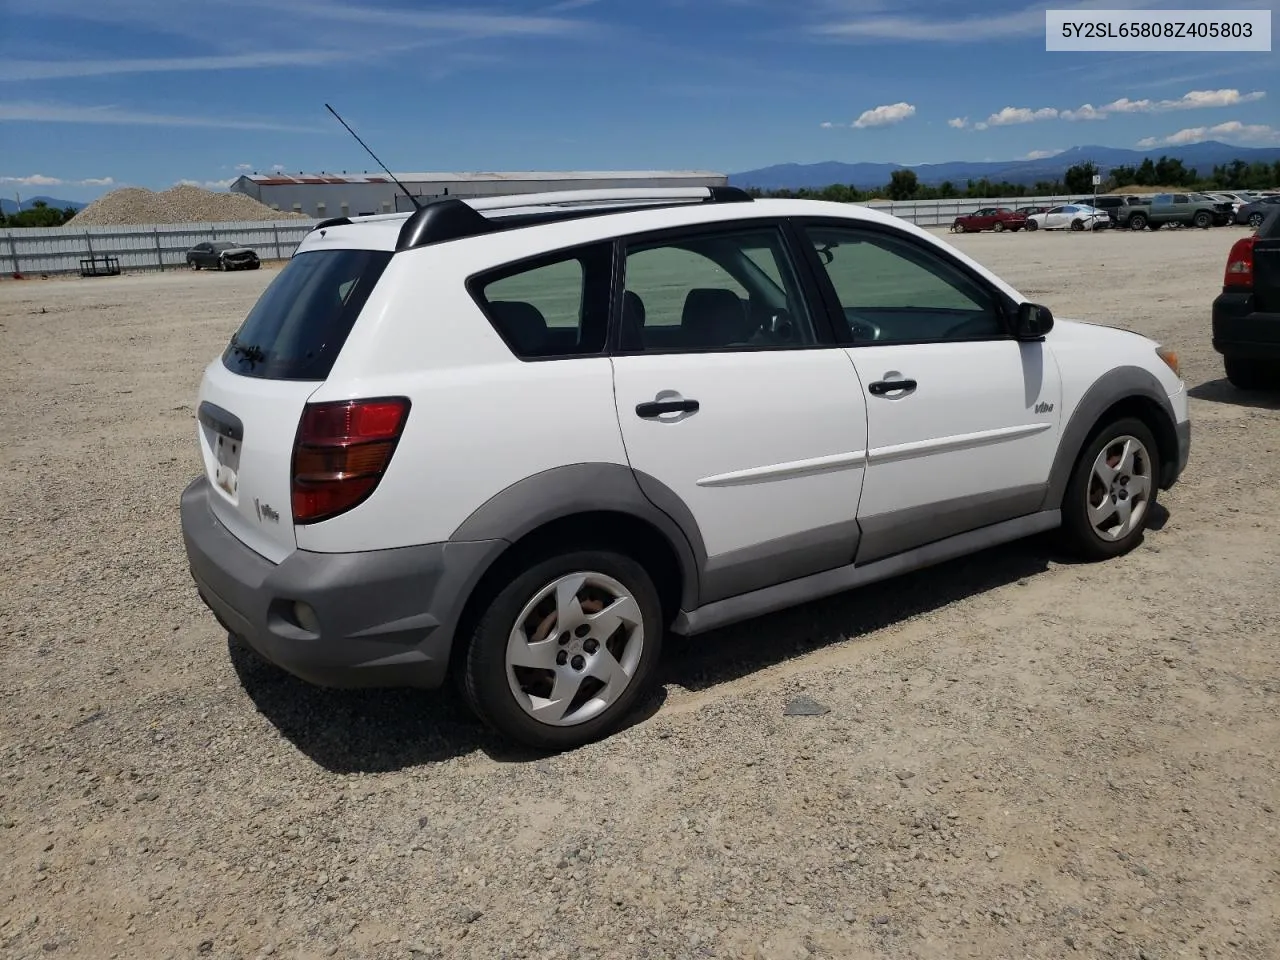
1234	129
40	180
959	123
35	180
1041	154
1086	112
61	69
277	167
1012	115
884	115
1194	100
73	113
244	166
826	124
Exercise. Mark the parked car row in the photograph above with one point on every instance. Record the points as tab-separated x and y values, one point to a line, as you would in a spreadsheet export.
1129	212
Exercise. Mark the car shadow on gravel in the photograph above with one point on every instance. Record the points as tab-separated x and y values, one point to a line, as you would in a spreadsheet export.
1221	391
731	653
377	731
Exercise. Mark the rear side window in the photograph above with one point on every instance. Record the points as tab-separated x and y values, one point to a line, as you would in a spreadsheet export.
551	307
299	324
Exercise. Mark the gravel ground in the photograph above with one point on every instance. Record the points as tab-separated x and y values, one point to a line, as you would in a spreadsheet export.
1019	757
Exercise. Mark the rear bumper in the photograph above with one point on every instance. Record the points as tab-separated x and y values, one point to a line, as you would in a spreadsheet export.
386	618
1243	333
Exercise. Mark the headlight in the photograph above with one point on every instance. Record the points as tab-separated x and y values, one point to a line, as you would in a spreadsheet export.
1170	359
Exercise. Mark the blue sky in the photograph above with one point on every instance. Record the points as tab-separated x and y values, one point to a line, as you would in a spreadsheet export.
95	95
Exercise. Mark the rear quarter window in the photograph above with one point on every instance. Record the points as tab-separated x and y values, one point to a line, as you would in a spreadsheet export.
298	326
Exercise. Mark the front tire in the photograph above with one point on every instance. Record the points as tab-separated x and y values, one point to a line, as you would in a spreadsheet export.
1077	226
998	227
1251	374
1203	220
565	650
1112	490
1032	225
1255	220
1137	222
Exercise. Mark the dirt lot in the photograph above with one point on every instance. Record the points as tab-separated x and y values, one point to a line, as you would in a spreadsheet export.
1023	758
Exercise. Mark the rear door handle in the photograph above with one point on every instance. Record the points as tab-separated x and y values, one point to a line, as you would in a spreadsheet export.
883	387
655	408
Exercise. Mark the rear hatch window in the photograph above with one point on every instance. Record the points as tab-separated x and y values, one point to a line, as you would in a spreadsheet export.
299	324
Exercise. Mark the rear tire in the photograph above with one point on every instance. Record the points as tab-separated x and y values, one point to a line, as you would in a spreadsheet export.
1113	488
1255	220
1137	222
565	682
998	227
1251	374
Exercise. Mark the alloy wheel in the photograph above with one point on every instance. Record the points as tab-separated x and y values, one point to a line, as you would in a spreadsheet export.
574	649
1119	488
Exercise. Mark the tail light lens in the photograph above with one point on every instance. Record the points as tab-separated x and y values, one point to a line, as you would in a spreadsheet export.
341	452
1240	264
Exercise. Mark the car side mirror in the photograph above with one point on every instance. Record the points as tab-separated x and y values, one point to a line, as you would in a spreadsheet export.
1032	322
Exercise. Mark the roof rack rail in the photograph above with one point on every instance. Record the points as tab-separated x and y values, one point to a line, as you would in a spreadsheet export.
331	222
451	218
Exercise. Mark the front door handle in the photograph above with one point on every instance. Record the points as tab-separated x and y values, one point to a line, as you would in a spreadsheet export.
884	387
656	408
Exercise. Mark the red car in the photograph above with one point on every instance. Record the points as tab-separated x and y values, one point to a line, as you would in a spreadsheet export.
990	218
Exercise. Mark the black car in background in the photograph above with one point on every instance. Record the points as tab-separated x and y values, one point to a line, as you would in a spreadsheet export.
1246	314
222	255
1254	212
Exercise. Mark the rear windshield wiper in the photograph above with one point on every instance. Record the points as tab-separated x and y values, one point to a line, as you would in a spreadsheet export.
252	354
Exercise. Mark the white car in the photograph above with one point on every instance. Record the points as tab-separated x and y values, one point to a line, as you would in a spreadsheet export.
1071	216
517	440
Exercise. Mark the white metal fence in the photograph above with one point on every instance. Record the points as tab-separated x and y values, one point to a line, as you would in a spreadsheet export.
55	250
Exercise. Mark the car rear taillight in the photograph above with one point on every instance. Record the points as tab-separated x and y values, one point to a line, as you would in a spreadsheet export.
342	450
1240	264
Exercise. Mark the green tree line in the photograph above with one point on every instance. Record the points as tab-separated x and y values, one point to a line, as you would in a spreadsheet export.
904	185
39	214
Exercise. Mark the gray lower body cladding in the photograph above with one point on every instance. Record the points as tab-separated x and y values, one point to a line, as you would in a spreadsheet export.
386	617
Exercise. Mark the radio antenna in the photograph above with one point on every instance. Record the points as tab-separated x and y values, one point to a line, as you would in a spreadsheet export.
412	198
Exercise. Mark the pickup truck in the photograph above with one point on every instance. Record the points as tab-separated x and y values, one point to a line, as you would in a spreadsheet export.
1184	209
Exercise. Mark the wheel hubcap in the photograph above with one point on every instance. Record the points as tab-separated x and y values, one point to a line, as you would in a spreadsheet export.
574	649
1119	488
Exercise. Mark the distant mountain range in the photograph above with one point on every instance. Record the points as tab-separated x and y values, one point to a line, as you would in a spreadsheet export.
8	205
864	176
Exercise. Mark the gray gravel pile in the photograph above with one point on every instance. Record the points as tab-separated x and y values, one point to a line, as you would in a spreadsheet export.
1003	757
180	204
